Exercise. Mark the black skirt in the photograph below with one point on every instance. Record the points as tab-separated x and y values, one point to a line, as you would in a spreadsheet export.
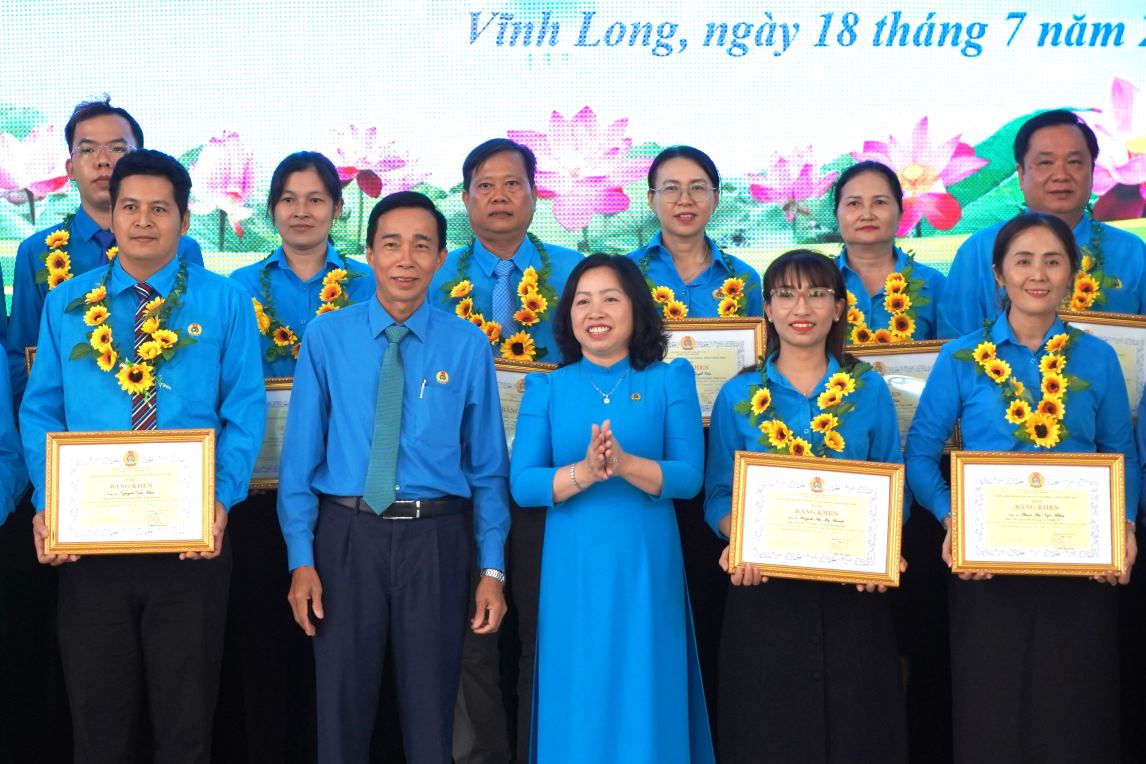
809	672
1034	670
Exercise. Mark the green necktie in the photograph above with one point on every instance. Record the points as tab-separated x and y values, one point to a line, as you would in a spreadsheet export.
381	472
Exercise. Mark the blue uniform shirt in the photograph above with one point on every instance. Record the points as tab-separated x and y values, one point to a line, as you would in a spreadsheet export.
3	314
926	322
480	273
1096	418
452	439
13	476
216	382
85	254
699	296
870	431
971	297
295	301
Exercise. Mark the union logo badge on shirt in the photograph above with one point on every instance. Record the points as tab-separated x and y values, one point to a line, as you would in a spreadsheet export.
442	377
194	330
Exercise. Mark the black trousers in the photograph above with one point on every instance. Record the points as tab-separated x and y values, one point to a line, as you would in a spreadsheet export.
142	636
399	582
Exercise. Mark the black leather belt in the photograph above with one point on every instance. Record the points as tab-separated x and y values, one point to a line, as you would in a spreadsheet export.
404	509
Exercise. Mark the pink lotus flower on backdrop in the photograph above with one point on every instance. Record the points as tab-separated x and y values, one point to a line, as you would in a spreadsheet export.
223	179
791	180
925	171
582	166
361	156
1120	174
32	168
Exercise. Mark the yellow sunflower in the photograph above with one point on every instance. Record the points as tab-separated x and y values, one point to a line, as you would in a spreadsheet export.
534	301
842	381
526	286
761	400
902	326
100	338
492	330
799	447
825	422
330	292
334	276
96	295
519	347
282	337
997	369
896	303
895	284
829	398
95	315
882	336
1052	363
1081	301
151	325
461	289
1052	407
833	440
530	275
856	317
57	239
1054	385
526	317
149	350
662	295
112	253
464	308
861	335
851	299
1056	343
55	278
477	319
1087	263
983	352
135	378
727	307
154	304
1042	430
777	432
733	287
57	261
326	307
1085	284
1018	387
675	310
107	359
1018	411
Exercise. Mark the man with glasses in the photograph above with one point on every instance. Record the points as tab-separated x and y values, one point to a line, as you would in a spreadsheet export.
98	135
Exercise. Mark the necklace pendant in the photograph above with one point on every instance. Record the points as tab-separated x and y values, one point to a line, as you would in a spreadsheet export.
607	400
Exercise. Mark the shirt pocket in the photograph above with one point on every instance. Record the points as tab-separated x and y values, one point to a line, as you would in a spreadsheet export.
192	374
436	416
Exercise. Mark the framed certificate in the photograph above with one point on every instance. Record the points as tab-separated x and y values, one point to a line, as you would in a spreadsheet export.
905	368
266	474
718	349
1126	333
130	491
1024	513
817	519
510	388
29	356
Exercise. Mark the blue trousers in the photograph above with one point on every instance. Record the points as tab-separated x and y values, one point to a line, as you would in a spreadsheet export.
396	583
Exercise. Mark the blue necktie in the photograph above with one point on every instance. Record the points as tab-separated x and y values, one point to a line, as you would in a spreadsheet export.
144	413
381	472
105	240
503	297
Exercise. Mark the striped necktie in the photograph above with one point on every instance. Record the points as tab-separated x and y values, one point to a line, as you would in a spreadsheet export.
502	297
381	472
144	414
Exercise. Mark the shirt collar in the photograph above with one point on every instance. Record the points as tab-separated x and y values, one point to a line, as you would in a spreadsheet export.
418	322
657	250
523	258
161	281
1001	331
775	377
84	225
333	260
900	260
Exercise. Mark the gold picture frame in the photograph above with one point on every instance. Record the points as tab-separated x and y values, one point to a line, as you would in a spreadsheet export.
727	346
996	495
848	515
29	356
265	475
1126	333
511	387
130	491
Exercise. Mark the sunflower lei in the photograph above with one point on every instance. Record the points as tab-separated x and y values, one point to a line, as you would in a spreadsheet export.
284	341
534	292
778	438
57	266
1091	281
135	377
733	300
1041	423
902	295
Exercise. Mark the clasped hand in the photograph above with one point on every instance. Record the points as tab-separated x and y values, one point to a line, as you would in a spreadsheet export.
604	457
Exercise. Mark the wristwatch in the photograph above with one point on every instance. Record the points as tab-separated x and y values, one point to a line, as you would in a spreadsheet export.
493	573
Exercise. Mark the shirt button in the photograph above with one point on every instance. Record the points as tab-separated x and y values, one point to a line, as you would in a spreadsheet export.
807	431
397	487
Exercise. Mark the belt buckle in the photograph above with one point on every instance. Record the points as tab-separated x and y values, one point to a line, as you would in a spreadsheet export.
417	510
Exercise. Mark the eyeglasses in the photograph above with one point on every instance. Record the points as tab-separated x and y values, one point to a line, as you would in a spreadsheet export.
90	150
671	192
815	297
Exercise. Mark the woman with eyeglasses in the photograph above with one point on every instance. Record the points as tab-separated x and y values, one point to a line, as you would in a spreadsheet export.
809	671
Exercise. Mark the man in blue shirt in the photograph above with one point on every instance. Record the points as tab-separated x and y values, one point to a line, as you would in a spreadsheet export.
1055	154
98	135
500	198
143	632
394	431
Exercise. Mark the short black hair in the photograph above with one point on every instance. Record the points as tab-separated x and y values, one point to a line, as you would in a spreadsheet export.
300	161
484	151
1051	119
869	165
399	200
685	152
649	341
149	162
91	109
1016	225
808	268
